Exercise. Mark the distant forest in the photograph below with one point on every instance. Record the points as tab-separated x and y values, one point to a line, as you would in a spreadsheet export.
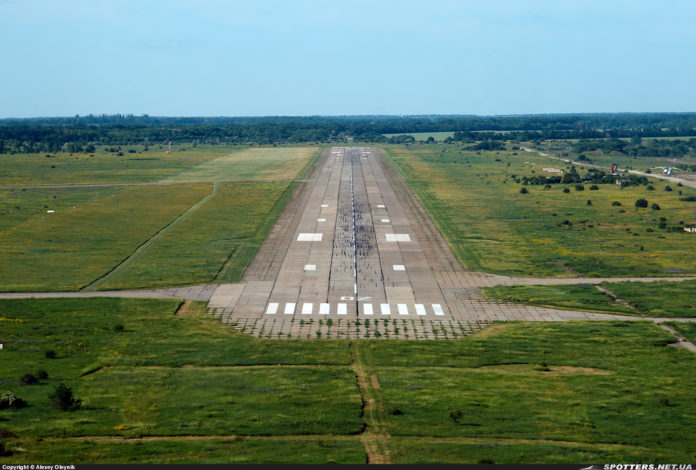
85	133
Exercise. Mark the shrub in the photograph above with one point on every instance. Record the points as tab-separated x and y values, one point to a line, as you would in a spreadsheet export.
650	187
589	203
50	354
688	198
42	375
655	206
668	188
62	397
119	328
395	412
616	203
523	191
9	401
594	187
566	190
641	202
28	379
579	187
3	451
455	416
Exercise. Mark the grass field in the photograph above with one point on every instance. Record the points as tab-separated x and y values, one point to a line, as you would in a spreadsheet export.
182	386
654	299
104	167
256	164
204	227
491	226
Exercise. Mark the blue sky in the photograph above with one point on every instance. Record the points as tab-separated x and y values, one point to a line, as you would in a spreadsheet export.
307	57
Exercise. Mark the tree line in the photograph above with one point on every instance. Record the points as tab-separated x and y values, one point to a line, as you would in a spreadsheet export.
83	133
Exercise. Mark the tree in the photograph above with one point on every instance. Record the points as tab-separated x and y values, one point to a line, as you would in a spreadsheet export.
642	202
62	397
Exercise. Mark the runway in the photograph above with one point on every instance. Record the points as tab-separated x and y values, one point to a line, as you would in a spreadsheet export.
353	253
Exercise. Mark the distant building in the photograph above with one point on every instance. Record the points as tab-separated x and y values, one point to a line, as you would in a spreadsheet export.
622	182
690	229
553	170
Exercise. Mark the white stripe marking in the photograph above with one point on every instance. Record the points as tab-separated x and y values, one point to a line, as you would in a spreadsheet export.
309	237
438	309
324	309
398	237
289	308
321	220
342	309
307	308
381	206
403	310
324	205
385	221
399	267
310	267
420	309
367	309
272	308
385	309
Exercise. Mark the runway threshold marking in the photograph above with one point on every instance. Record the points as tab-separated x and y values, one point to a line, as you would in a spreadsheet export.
309	237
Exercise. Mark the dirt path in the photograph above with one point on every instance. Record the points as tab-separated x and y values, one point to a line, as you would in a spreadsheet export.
681	341
142	248
375	436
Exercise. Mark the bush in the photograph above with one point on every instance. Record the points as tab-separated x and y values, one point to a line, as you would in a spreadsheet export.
9	401
616	203
589	203
579	187
523	191
455	416
650	187
688	198
119	328
594	187
42	375
566	190
50	354
641	202
62	397
655	206
4	452
668	188
28	379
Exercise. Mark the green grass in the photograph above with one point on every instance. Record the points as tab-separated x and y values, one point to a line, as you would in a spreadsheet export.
653	299
185	386
255	164
578	297
104	167
70	248
167	234
215	243
491	227
506	452
211	450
